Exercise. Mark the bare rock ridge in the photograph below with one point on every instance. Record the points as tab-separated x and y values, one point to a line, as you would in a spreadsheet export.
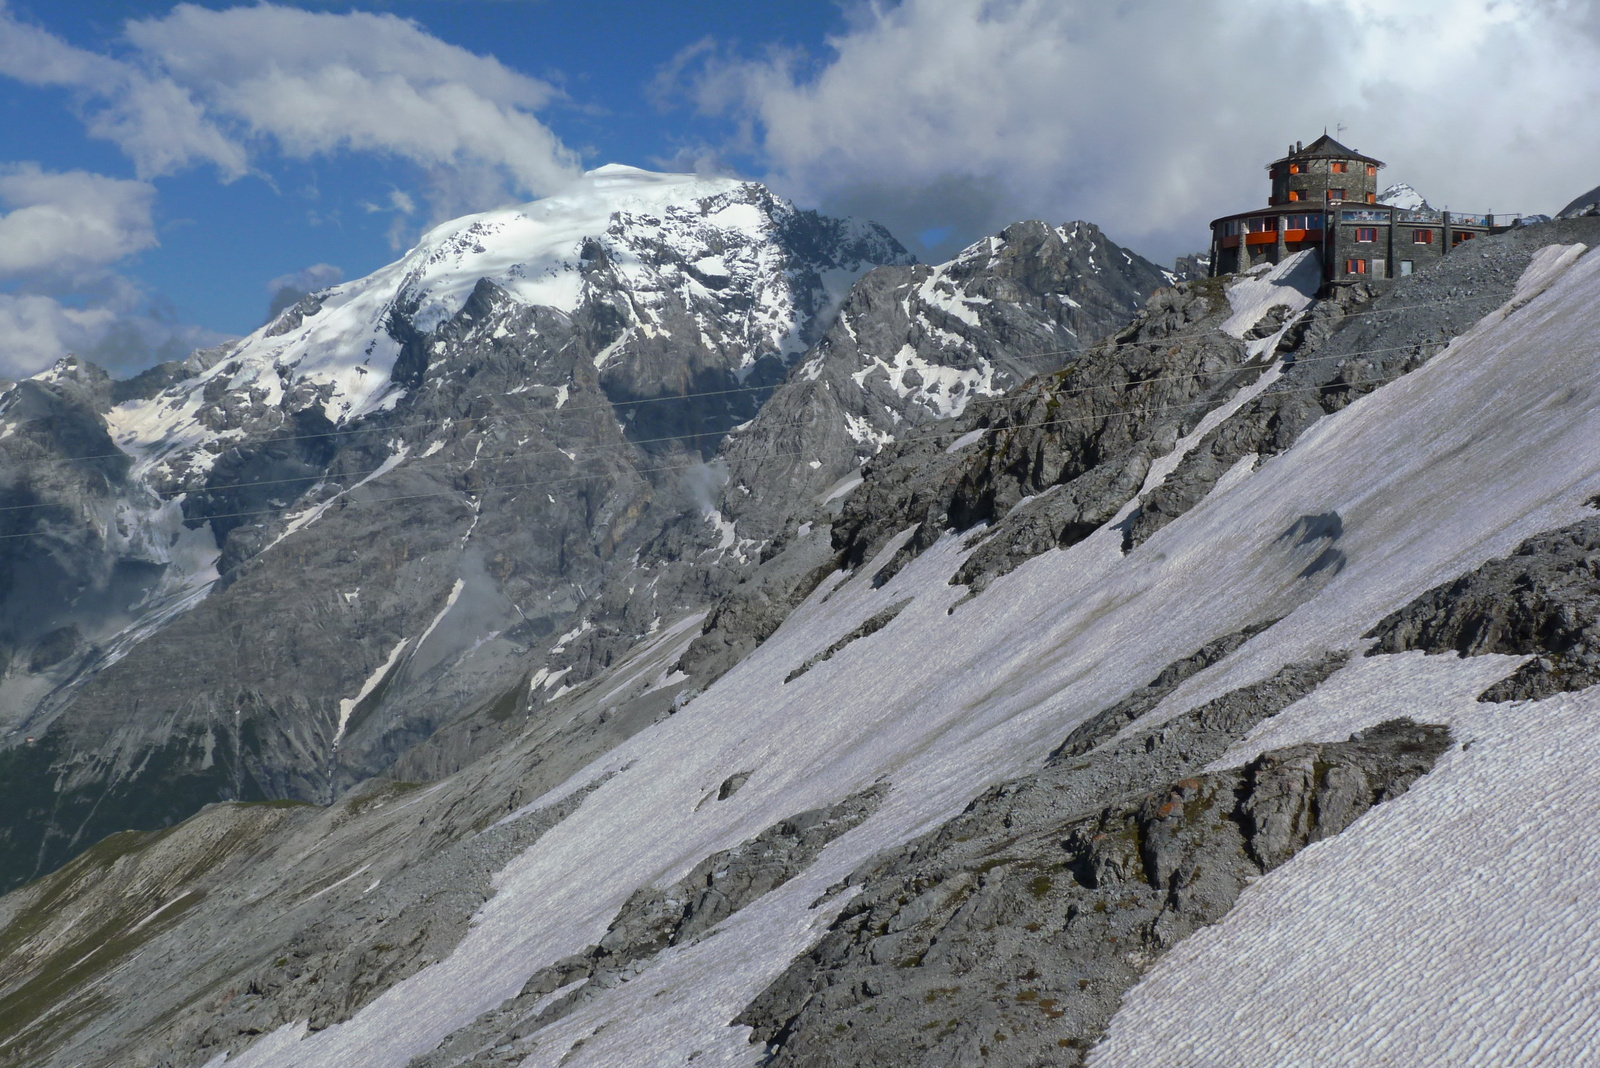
1050	462
1542	601
652	920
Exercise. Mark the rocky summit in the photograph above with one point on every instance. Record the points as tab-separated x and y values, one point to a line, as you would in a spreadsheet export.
658	625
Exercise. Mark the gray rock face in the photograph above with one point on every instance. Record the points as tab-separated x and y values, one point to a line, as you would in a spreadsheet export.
909	346
1585	205
1060	456
1075	444
914	346
1542	600
1010	935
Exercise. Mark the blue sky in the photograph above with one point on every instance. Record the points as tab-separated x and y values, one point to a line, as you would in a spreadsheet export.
161	165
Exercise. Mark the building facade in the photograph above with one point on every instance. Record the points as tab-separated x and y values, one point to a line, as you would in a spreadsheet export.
1325	198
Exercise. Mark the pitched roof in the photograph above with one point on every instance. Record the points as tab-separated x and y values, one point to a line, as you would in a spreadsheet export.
1326	147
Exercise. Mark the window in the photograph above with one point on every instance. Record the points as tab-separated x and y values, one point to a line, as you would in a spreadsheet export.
1355	267
1458	237
1372	169
1339	167
1294	168
1366	235
1230	228
1372	198
1405	268
1336	194
1422	237
1294	194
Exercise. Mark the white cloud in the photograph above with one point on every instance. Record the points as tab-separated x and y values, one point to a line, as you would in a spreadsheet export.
208	86
116	333
70	224
37	330
307	280
1153	117
151	118
58	240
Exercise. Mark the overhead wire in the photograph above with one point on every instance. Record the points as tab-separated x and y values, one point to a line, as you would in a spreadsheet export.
634	442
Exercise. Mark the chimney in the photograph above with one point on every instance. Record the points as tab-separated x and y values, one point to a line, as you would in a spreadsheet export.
1299	146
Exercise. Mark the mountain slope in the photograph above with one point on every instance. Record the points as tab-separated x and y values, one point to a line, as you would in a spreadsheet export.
898	777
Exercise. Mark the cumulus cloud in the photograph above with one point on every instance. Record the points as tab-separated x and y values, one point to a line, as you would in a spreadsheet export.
203	86
37	329
71	223
1153	116
60	232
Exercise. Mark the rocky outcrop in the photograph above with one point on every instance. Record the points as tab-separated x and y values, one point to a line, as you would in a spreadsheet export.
1541	601
1351	343
652	920
1586	205
1010	935
1075	445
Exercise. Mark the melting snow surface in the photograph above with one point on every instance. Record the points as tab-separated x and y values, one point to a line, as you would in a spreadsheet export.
1470	899
1292	284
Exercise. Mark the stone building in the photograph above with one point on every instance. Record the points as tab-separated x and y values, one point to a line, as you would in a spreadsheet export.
1325	198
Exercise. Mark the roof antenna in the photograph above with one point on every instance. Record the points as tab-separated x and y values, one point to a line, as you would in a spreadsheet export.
1339	129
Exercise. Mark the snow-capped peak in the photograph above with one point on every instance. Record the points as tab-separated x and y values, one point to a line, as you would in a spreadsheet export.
659	233
1402	196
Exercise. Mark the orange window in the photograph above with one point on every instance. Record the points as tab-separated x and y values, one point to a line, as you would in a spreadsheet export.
1294	194
1294	168
1372	168
1366	235
1339	167
1355	267
1336	194
1372	198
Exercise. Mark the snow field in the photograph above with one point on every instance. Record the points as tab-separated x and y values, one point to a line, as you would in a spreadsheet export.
1490	442
1452	926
